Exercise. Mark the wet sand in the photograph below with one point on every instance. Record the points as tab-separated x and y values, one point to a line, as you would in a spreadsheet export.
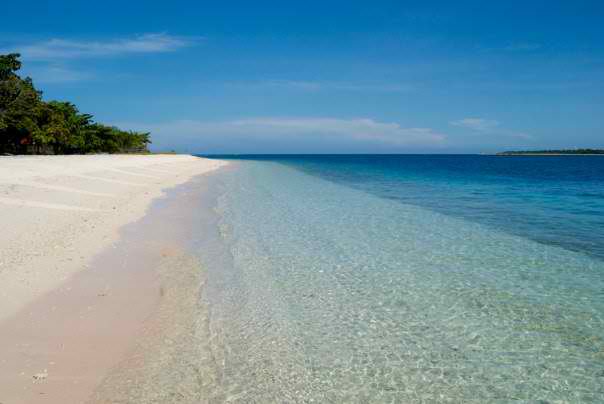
100	335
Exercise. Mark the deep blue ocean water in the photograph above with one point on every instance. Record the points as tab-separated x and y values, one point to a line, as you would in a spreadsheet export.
408	279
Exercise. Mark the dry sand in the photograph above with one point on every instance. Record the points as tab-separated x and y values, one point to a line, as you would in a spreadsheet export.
57	212
59	216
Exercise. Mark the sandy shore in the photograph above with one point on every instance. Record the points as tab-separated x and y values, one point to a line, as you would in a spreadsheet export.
60	217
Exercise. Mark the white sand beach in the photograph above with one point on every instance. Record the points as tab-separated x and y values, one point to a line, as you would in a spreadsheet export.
56	214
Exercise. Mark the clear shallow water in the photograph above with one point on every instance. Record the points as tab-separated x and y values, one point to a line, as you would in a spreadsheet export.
324	292
556	200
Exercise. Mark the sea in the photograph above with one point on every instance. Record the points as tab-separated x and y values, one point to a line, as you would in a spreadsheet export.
406	278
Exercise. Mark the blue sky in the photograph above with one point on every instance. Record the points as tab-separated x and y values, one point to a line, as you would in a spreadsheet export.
324	76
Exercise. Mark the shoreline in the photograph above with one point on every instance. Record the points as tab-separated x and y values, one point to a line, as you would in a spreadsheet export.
79	306
171	360
546	154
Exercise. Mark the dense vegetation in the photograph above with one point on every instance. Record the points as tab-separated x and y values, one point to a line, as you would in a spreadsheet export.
29	125
565	151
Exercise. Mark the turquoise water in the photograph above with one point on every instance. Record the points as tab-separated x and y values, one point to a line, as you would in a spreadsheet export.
345	282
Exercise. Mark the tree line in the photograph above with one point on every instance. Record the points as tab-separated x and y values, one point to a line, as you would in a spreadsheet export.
30	125
561	151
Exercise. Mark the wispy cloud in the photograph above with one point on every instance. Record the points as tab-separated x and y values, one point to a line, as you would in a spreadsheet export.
53	59
373	87
522	46
246	134
58	49
478	124
518	46
489	126
57	74
313	86
363	129
294	84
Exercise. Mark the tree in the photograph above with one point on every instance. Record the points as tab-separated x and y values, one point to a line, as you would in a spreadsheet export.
9	64
20	105
30	125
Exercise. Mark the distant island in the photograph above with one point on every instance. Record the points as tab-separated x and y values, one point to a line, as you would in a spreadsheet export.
30	125
552	152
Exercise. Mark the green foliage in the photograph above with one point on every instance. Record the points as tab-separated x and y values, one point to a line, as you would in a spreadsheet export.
9	64
29	125
551	152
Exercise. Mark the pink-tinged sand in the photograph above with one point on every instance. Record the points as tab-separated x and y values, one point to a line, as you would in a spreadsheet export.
76	297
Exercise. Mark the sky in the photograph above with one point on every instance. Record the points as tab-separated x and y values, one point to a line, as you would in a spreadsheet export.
324	76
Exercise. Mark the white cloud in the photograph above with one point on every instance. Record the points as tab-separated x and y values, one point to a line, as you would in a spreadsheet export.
55	49
356	129
478	124
306	132
489	126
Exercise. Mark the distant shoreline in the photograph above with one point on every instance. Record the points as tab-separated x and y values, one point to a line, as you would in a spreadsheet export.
547	154
554	152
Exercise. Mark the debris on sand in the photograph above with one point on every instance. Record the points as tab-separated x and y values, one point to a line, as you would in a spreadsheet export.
41	376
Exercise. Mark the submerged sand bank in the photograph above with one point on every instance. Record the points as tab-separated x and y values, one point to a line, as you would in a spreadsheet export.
56	212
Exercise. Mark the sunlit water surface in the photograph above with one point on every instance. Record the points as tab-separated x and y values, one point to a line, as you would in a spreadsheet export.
334	282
